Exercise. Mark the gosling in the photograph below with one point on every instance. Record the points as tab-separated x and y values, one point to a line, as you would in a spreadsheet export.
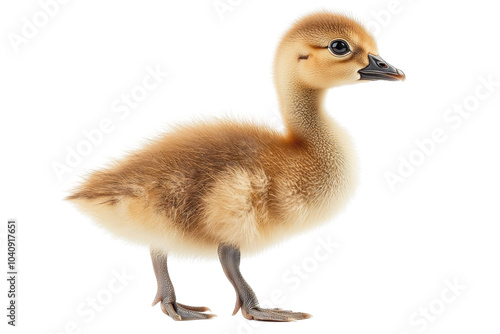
226	187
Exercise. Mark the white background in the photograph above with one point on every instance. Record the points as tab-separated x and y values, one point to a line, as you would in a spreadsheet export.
397	247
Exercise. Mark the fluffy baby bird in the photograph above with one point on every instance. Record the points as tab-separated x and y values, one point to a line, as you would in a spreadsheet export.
226	187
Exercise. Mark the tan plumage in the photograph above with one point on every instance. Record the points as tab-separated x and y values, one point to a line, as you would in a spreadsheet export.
239	183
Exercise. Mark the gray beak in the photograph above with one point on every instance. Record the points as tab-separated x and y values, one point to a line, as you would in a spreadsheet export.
379	69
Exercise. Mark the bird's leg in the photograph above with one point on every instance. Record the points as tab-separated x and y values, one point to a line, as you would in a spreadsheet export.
229	257
166	293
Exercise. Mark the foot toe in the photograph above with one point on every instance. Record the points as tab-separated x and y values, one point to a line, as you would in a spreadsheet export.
180	312
275	314
195	308
190	314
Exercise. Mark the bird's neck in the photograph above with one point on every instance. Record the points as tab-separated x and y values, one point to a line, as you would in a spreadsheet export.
309	125
326	142
304	117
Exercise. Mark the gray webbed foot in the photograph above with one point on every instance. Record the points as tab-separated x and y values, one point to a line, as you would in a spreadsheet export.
178	311
166	294
246	300
274	314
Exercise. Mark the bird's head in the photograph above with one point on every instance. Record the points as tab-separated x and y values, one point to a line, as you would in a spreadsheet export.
323	50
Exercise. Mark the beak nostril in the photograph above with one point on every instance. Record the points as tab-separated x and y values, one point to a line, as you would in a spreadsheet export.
379	69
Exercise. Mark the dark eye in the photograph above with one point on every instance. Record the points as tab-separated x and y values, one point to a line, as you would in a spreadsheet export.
339	47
